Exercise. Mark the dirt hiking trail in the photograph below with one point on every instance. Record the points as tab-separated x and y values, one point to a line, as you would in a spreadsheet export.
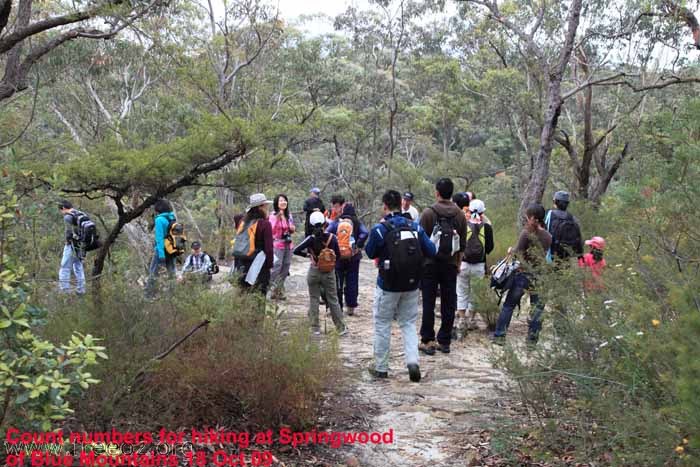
434	420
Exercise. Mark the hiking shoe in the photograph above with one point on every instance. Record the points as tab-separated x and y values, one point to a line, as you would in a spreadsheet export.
444	348
498	340
350	311
414	372
343	332
378	374
427	348
316	332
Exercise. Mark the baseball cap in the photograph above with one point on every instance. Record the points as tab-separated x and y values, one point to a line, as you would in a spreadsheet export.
317	218
196	245
561	196
408	195
596	242
315	190
477	205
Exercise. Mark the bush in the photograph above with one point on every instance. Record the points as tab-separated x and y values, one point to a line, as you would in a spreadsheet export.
245	364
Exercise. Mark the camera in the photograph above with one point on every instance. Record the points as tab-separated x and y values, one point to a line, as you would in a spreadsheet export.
287	238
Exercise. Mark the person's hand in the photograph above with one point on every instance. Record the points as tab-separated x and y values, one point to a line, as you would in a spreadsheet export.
510	250
292	228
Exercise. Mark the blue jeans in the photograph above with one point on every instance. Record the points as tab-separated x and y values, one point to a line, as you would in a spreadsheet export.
521	282
71	263
403	306
154	270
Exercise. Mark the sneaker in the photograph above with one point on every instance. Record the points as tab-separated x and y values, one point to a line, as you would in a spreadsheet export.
378	374
316	332
351	311
343	332
427	348
444	348
473	326
414	372
498	340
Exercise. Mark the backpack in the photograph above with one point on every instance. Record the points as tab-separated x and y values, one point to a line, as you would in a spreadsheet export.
88	238
444	237
326	257
566	237
175	239
244	243
214	268
502	276
346	242
402	271
476	239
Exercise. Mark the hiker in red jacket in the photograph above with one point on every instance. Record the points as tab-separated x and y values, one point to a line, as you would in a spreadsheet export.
594	262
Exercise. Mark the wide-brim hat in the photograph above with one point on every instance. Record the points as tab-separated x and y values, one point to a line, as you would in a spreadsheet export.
258	199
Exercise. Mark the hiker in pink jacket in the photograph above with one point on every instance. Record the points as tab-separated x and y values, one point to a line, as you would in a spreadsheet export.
282	229
595	262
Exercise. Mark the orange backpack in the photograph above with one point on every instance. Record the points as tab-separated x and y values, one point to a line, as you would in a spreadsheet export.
326	258
345	229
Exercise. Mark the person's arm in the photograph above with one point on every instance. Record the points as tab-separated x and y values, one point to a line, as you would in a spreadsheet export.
332	227
268	247
161	226
523	243
462	230
362	236
488	233
375	244
68	219
427	246
427	221
306	207
187	267
301	249
334	245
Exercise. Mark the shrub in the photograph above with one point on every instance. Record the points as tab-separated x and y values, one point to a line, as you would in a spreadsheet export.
245	364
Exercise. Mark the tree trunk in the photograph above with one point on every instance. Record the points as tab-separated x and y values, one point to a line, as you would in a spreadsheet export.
540	170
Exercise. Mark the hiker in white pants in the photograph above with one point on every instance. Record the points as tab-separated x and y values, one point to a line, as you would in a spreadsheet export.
473	266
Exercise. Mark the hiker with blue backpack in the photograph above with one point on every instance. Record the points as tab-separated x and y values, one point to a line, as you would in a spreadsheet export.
531	252
352	235
448	225
401	246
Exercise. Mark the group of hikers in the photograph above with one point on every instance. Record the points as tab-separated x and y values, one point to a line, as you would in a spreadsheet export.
440	252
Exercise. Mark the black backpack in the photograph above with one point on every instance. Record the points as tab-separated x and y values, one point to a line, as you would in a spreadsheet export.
88	238
214	268
566	237
446	227
476	238
404	269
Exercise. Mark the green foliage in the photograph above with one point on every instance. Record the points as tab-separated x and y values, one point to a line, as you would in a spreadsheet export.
37	377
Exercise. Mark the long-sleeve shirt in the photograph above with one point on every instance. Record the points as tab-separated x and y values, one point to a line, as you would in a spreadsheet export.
264	241
71	228
310	205
280	227
198	264
312	245
376	247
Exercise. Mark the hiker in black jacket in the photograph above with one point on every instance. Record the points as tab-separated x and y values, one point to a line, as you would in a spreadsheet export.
312	203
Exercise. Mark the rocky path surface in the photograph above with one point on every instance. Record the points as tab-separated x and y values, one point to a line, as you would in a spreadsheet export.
431	420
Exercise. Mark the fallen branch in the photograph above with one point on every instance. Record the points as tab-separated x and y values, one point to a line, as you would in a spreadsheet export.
139	375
